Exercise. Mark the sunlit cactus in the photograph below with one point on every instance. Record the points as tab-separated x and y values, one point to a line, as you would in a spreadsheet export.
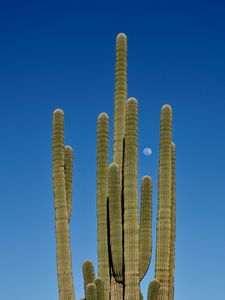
100	289
61	187
88	274
153	289
124	239
91	292
164	203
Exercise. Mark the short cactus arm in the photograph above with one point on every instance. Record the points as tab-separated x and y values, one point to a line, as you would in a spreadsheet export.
88	274
91	292
100	289
164	204
131	234
102	195
68	177
145	230
153	289
115	216
63	251
173	225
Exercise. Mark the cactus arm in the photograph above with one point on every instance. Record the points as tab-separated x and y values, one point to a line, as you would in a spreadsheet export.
91	292
131	236
102	194
63	250
100	289
145	231
173	225
88	274
68	177
115	215
153	289
164	203
120	98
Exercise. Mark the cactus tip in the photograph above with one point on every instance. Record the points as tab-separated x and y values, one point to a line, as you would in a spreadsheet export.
167	107
103	115
132	100
113	165
68	148
58	111
121	35
147	177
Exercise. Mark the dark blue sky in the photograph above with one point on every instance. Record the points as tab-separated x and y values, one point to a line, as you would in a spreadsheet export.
61	54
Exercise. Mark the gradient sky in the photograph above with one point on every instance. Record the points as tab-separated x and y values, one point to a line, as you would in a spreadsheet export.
62	54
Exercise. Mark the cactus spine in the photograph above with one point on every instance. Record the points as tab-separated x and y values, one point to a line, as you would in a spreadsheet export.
62	174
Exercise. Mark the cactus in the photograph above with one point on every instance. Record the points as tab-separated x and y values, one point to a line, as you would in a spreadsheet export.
164	203
88	274
91	292
124	242
153	289
62	187
100	289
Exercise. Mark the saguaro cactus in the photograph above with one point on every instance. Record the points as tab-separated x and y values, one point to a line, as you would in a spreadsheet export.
62	186
124	243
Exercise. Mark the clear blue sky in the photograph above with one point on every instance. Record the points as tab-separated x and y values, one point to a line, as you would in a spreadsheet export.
61	54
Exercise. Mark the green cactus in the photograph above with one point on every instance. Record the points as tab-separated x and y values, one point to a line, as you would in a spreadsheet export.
124	244
100	289
131	237
145	230
102	194
61	187
91	292
88	274
153	289
164	203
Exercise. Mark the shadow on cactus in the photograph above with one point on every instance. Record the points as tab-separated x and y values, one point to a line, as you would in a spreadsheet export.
124	243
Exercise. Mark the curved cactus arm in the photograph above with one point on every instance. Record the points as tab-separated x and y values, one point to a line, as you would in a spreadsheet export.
115	221
173	225
153	289
145	230
88	274
102	195
131	234
100	289
120	98
164	203
63	249
68	177
91	292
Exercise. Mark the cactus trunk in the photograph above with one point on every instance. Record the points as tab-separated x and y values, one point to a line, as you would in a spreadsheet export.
63	250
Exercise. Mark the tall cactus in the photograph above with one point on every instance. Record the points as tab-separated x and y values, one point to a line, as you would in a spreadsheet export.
164	204
124	243
62	186
102	194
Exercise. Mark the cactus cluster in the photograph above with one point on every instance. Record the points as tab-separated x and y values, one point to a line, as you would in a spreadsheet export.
124	242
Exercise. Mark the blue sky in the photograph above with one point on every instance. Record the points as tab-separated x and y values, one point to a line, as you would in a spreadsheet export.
61	54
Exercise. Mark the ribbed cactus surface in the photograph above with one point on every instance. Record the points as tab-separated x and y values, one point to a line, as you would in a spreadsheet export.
164	203
61	183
